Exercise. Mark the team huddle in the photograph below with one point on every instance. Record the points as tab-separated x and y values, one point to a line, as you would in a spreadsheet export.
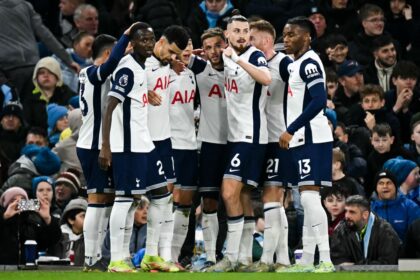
262	124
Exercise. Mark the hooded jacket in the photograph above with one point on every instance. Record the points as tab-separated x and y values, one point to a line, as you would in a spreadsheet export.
21	173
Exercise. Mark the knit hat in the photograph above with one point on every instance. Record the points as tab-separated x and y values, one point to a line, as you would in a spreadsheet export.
69	178
384	173
331	116
400	167
74	102
11	193
51	65
55	112
45	161
13	108
77	203
39	179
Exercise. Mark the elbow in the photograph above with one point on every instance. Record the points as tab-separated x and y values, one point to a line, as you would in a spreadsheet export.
266	81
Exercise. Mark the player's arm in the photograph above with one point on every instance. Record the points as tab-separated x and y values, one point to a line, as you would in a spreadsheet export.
258	71
197	64
105	154
283	65
312	75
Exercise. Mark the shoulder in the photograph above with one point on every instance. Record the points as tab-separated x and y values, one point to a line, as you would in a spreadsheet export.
257	57
310	69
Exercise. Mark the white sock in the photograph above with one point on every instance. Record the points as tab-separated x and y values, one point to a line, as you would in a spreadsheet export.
166	233
210	225
117	226
282	251
247	238
129	221
233	238
181	222
316	224
91	228
271	230
103	227
157	207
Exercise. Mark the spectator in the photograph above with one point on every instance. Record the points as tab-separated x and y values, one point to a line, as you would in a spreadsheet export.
351	80
67	186
363	238
37	136
373	22
332	86
43	188
379	71
408	178
17	226
333	201
397	210
414	146
86	19
81	52
317	17
404	100
336	50
208	14
34	161
57	122
19	26
66	22
72	232
49	88
12	136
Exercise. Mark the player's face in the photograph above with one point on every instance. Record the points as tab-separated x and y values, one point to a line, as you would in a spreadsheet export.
186	54
294	39
166	51
372	102
257	39
387	55
334	204
238	35
382	144
213	48
355	217
143	44
386	189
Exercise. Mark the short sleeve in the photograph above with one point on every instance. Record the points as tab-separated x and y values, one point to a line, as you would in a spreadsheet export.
122	83
311	73
257	58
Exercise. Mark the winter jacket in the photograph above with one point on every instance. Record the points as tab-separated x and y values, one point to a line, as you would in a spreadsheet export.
400	213
412	245
25	226
70	242
383	248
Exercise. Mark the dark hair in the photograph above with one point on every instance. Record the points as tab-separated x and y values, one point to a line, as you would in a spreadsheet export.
236	16
331	76
213	32
71	214
336	39
79	36
382	129
264	26
381	41
359	201
38	131
372	89
304	23
405	69
368	10
134	34
334	190
178	35
101	43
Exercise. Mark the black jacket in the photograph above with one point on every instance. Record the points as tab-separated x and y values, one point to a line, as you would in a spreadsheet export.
384	245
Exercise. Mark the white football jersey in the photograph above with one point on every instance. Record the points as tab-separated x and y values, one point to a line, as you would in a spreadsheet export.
213	115
129	131
181	111
245	100
158	81
92	92
275	96
304	73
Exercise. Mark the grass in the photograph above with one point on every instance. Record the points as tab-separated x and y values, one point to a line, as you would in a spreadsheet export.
76	275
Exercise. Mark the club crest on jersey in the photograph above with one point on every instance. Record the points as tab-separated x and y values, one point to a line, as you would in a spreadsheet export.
311	70
262	61
123	81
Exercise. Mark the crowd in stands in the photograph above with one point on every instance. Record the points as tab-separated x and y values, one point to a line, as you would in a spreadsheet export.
371	53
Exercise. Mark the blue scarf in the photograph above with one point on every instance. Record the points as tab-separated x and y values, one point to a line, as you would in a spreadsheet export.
212	17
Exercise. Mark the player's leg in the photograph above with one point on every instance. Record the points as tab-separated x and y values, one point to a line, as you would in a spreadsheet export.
245	247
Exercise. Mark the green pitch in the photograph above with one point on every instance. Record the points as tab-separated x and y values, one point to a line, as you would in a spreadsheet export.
70	275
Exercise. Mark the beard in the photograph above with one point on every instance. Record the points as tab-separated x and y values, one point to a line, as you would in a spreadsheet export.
239	47
351	225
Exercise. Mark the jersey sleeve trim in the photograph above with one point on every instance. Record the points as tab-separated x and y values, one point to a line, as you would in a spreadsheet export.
116	95
314	82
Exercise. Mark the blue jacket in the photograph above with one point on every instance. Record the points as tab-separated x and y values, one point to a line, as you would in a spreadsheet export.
400	213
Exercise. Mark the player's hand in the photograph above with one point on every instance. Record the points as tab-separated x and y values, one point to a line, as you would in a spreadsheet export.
370	120
44	210
284	140
154	98
105	157
11	210
128	49
200	53
128	30
177	66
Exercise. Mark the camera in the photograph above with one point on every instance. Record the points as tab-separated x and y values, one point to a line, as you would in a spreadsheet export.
29	205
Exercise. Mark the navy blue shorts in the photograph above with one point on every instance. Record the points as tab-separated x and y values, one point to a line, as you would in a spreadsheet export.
97	179
137	173
186	166
276	160
310	165
213	158
164	150
245	162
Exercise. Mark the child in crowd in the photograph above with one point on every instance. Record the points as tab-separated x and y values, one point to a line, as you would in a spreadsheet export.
57	122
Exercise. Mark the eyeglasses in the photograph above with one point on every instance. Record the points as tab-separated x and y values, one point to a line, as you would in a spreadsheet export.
376	20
